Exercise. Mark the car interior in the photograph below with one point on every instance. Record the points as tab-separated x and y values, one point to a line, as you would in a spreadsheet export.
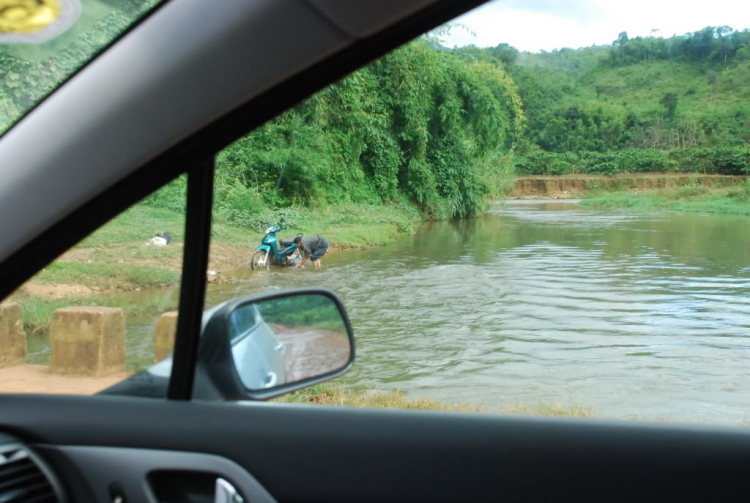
126	125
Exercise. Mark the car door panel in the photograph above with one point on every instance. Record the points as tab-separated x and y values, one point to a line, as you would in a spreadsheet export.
134	469
316	453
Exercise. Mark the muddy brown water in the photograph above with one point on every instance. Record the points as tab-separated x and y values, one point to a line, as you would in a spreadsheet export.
633	314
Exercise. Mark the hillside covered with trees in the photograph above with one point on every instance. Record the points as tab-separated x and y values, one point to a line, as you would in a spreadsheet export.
419	125
447	128
643	104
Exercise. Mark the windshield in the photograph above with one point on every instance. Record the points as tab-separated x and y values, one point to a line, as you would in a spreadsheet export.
44	42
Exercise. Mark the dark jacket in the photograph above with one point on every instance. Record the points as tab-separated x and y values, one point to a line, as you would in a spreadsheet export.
309	245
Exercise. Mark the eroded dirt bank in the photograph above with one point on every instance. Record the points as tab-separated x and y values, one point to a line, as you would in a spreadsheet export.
570	186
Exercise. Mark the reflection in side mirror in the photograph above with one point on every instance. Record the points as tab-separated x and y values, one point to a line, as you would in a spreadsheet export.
260	347
286	340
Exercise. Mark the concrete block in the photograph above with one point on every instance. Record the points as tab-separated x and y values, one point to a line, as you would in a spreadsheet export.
12	336
87	341
164	334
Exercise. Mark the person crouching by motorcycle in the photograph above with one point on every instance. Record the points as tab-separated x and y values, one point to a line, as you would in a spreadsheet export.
312	248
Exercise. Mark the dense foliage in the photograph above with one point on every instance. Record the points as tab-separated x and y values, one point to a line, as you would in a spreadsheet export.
713	160
419	125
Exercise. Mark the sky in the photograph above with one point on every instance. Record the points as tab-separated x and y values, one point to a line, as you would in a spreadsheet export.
534	25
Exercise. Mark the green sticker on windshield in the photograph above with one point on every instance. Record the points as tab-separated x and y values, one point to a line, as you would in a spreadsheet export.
36	21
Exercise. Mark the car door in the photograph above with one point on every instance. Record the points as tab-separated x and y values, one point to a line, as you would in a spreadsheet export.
217	71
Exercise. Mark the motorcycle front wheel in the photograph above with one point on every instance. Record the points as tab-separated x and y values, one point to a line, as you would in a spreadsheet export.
260	260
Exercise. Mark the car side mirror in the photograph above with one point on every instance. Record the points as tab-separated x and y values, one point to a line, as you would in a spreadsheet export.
264	346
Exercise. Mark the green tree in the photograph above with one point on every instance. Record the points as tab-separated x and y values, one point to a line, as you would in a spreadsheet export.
422	123
669	102
505	53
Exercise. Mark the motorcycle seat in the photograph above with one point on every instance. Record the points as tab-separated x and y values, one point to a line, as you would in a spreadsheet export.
288	241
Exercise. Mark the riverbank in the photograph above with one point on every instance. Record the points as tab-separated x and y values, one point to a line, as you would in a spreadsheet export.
730	200
112	264
335	394
332	393
576	186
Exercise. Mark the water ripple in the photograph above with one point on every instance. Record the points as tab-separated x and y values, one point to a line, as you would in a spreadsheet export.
632	314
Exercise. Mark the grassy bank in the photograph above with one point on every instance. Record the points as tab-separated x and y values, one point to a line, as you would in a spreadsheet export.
733	200
335	394
116	258
107	275
345	226
332	393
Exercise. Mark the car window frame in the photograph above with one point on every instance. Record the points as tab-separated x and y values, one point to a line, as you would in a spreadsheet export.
189	156
96	55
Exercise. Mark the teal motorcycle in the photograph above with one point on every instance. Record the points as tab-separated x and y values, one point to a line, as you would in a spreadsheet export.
275	251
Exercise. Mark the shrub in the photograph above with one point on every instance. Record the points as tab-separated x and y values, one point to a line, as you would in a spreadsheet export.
604	168
547	163
714	160
707	160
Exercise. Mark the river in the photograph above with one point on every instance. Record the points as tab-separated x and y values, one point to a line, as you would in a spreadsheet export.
632	314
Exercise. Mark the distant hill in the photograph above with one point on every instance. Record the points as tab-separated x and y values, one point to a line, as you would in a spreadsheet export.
678	92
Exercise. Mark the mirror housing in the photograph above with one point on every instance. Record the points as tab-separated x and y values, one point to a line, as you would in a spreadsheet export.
218	354
217	376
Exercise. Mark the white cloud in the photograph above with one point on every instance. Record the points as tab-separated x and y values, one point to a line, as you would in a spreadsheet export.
549	24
